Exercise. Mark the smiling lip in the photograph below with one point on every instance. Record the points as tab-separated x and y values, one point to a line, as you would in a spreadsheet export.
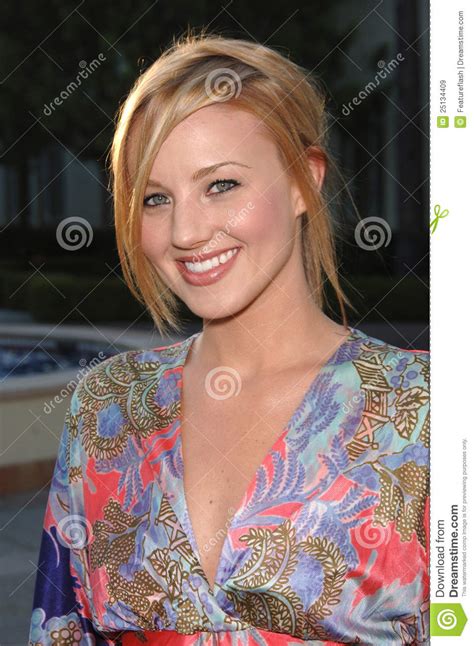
207	277
204	256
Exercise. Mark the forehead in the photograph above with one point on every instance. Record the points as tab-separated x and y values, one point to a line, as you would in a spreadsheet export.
211	134
216	122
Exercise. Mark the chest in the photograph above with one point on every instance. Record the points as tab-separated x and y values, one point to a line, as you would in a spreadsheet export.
224	441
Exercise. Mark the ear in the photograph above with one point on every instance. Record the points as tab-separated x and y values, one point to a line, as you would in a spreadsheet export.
316	160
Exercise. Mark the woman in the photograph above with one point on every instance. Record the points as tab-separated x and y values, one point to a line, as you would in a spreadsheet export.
264	481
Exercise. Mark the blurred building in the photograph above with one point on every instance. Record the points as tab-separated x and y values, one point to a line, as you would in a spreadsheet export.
381	140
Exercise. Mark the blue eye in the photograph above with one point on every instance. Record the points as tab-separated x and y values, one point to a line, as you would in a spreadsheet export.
222	182
147	199
223	185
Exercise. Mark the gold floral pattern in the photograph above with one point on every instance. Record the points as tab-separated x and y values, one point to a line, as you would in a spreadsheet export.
301	558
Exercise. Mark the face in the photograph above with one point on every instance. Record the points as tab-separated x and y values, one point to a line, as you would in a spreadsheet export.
220	212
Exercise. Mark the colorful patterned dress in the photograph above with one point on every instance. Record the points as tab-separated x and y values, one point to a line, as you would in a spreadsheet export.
328	545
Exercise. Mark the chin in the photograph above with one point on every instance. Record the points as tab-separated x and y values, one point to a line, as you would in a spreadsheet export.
207	307
213	313
222	306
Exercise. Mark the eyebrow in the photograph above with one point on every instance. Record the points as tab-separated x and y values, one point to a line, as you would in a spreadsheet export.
202	172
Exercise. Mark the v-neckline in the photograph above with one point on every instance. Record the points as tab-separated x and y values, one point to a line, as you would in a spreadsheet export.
187	345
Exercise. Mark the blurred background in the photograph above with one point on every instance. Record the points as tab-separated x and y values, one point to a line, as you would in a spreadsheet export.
65	67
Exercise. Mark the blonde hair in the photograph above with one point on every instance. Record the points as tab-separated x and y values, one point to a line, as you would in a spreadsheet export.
195	71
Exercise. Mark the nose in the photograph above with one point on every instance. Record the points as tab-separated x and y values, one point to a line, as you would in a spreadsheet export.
192	224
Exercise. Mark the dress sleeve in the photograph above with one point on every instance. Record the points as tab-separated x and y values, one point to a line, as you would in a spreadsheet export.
387	591
401	601
61	613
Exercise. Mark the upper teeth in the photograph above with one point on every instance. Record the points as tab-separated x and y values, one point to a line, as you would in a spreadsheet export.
198	267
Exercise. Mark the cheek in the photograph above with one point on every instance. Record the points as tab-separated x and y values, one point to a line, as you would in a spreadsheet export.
153	239
265	219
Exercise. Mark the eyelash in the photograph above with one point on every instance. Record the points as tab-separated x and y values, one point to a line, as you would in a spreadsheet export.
211	185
